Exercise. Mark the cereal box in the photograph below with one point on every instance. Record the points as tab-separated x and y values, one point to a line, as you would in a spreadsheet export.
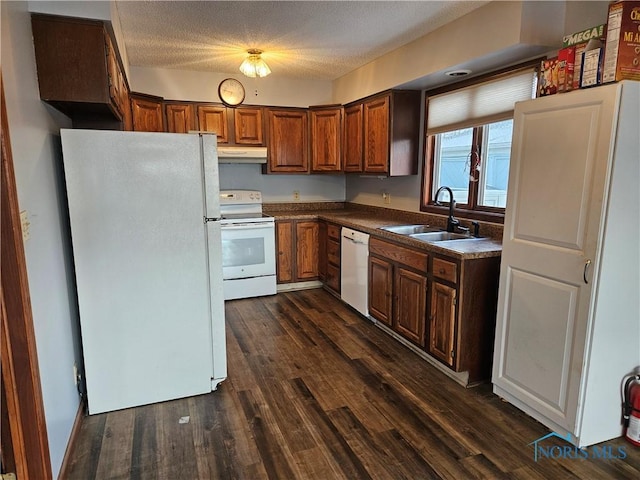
566	66
622	48
548	82
579	42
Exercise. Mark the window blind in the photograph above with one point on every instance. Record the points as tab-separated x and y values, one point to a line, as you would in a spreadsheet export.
486	102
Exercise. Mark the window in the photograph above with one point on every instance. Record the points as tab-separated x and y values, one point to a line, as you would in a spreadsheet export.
469	132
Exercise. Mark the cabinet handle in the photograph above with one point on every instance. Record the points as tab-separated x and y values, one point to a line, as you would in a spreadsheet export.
442	271
587	264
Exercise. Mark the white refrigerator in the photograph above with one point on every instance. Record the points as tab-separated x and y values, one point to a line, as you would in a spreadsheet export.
144	211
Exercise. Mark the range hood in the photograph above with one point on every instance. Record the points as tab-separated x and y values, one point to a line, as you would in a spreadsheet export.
242	154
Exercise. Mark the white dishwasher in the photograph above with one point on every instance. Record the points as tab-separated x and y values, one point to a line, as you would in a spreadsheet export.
354	267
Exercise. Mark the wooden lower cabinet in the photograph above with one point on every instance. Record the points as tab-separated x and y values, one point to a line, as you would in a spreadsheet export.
442	321
297	250
329	256
398	288
410	304
380	289
445	305
306	248
284	251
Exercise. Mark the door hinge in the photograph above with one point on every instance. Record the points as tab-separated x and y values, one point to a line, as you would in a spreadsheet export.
455	301
453	354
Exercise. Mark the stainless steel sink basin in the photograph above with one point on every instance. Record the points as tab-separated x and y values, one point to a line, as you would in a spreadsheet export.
441	236
411	229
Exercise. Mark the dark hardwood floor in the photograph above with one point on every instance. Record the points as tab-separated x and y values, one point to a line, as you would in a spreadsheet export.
317	392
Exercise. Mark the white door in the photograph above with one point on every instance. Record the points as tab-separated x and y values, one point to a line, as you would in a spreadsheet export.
560	156
136	206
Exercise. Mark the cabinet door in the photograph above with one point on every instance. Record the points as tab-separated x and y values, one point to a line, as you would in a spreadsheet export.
410	305
352	141
284	247
322	251
376	135
212	118
442	320
306	250
180	117
326	139
288	141
380	288
113	74
147	115
248	126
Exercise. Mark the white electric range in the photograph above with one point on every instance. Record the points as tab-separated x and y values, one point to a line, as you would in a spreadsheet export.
248	245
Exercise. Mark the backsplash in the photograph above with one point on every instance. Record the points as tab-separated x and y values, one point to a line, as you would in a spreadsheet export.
491	230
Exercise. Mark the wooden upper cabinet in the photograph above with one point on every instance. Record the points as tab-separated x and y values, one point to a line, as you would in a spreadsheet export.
388	141
326	139
352	139
180	117
376	135
248	126
288	145
147	114
213	118
78	66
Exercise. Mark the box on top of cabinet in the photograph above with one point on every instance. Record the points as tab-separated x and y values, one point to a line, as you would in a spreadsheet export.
622	48
578	43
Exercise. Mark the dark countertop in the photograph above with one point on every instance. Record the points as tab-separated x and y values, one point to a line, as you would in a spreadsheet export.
370	219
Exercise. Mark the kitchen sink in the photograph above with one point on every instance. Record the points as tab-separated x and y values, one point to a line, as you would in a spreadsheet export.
441	236
411	229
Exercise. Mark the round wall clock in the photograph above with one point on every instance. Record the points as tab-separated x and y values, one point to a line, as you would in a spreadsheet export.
231	92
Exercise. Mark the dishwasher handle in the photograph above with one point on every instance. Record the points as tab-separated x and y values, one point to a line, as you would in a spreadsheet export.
357	242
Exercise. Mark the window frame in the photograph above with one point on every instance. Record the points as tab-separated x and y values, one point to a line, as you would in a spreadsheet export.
471	210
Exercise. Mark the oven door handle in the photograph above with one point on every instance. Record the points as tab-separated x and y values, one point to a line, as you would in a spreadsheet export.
248	226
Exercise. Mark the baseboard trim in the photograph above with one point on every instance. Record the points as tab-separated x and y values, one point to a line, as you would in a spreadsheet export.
77	423
461	378
290	287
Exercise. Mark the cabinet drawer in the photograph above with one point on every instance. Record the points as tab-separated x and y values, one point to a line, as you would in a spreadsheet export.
333	252
444	270
333	278
410	258
333	231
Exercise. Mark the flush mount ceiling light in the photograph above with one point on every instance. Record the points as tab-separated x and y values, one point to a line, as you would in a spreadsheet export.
254	65
457	73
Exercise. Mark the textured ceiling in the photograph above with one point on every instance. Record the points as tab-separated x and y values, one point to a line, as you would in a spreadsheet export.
304	39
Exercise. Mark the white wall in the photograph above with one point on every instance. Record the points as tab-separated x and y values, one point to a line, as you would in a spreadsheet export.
279	188
33	131
203	86
486	32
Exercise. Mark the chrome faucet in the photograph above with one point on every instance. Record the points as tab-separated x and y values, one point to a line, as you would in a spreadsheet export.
452	222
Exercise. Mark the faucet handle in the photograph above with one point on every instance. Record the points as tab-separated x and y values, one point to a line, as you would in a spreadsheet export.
476	229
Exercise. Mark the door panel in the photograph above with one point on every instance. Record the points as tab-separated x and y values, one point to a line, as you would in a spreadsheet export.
380	287
538	339
552	229
442	319
410	306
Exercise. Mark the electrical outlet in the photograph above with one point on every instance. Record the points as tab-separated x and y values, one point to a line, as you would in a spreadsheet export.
296	194
386	197
24	221
75	374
